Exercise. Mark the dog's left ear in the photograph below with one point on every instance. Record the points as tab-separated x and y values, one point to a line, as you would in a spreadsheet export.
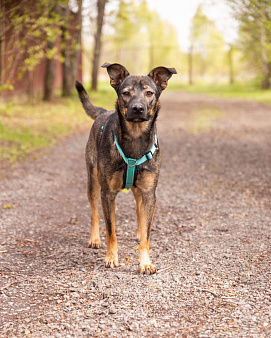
116	72
161	75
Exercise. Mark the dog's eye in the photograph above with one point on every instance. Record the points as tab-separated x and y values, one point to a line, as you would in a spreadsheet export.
126	93
149	93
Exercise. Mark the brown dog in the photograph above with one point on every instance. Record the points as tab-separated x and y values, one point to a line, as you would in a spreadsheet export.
122	151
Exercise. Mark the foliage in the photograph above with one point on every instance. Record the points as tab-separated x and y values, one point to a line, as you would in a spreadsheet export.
28	28
207	46
140	39
254	17
31	30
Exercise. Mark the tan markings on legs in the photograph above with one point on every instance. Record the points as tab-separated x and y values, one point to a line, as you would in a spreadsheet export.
145	264
145	206
108	203
93	197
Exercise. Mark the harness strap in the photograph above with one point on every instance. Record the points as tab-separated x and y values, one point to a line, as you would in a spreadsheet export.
132	163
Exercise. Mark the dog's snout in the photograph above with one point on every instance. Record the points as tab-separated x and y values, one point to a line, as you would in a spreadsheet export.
138	108
137	111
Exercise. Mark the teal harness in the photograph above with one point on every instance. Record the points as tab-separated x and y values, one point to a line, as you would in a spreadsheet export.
132	163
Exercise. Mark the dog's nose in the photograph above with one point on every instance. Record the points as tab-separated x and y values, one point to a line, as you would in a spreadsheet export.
138	108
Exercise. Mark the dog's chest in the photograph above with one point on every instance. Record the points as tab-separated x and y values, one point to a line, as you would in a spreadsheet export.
143	179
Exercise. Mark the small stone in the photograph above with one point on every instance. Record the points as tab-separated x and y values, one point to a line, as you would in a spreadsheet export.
112	310
73	219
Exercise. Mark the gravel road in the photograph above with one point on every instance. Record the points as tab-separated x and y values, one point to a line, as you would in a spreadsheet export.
210	238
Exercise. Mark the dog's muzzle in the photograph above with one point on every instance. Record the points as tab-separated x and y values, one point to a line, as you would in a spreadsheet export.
137	112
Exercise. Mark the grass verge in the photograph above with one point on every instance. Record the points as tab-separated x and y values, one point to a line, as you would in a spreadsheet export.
25	128
249	90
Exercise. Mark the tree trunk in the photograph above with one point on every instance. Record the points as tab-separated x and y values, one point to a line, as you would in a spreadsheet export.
70	50
66	67
265	68
50	71
49	75
97	43
151	55
77	39
2	41
190	66
231	68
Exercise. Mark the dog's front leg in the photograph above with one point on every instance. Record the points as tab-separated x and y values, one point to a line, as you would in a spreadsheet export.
145	209
108	204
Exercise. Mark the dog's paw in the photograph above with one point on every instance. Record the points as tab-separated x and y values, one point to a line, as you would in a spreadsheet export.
94	243
111	261
148	269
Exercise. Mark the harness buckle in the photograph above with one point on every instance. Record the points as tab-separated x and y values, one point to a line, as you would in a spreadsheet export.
149	155
131	162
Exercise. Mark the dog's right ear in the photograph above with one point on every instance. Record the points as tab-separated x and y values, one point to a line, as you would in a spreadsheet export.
116	72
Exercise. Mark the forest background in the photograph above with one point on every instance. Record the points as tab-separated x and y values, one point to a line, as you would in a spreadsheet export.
76	36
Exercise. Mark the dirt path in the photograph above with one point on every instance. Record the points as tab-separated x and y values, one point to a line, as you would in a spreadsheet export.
210	239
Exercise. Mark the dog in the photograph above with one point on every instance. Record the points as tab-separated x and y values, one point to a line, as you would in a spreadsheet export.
123	152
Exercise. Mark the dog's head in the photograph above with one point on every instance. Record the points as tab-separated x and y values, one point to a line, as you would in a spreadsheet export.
138	95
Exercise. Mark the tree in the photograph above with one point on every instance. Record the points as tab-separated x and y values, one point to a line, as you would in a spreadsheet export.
97	42
231	67
51	51
207	47
70	46
29	34
2	40
198	26
26	28
140	38
254	17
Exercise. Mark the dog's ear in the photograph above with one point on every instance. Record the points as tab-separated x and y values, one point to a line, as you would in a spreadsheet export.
116	72
161	75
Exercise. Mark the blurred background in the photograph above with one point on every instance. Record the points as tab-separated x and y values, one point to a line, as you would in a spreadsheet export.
218	47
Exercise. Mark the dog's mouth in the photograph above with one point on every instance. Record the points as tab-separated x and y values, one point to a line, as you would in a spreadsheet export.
136	119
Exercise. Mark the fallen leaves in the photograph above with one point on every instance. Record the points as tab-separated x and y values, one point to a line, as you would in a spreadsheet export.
8	206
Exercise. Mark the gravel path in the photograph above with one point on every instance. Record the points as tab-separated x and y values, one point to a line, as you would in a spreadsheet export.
210	238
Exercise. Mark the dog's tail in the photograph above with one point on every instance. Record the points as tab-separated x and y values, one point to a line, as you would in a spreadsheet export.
91	110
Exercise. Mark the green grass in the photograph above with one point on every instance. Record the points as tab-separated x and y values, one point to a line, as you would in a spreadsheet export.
25	128
203	120
247	91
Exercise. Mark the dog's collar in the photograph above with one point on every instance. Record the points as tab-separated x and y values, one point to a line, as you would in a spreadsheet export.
132	163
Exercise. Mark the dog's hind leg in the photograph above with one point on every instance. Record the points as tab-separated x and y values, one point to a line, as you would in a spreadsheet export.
108	204
93	191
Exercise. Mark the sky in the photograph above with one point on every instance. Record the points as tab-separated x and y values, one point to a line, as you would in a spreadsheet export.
180	13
